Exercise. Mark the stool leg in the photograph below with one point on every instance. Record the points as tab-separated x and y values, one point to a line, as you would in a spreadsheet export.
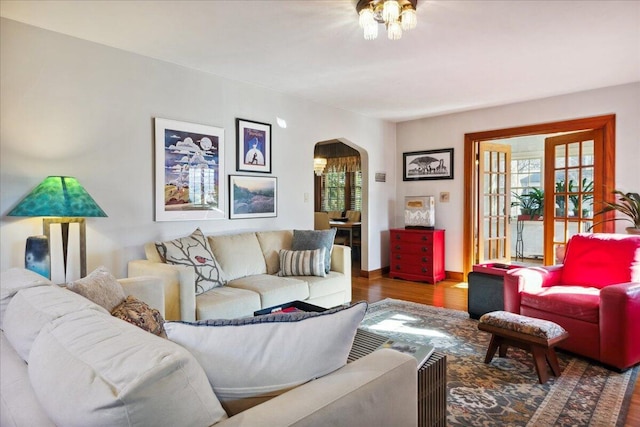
540	360
503	350
496	342
552	359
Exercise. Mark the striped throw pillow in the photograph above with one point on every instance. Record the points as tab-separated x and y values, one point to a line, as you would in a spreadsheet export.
302	263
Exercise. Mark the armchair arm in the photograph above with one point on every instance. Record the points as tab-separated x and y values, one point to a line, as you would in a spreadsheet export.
178	285
620	324
146	288
520	279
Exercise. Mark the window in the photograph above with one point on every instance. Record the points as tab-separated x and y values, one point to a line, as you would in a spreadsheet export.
341	191
525	174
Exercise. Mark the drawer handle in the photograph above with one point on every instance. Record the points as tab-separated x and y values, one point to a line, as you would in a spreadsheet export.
398	267
424	237
398	247
398	256
425	259
425	270
425	249
398	237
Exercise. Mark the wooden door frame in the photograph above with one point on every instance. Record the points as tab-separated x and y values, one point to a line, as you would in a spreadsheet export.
606	123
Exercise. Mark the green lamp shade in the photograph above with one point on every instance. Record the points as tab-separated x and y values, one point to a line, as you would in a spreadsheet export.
61	196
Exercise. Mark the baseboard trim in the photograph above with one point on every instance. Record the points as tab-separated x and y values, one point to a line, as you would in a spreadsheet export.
377	274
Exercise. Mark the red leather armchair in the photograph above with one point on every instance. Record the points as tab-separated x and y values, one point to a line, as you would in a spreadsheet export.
594	295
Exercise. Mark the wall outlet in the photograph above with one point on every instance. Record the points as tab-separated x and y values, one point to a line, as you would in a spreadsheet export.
444	197
306	197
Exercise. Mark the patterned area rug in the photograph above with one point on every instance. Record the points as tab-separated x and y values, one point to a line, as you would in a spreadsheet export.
505	392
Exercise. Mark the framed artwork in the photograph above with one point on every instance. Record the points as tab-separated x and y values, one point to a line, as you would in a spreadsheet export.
252	196
189	171
430	164
254	146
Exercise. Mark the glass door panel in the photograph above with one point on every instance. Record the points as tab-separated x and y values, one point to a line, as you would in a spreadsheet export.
570	183
493	234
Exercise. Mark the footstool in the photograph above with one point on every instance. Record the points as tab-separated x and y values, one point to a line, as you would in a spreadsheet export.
534	335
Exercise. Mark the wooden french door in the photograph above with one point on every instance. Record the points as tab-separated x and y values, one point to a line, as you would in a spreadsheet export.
494	203
573	179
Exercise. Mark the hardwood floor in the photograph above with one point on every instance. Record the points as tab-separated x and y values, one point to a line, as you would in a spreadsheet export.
446	294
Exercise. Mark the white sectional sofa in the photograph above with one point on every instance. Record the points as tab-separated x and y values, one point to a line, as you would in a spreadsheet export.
250	263
65	361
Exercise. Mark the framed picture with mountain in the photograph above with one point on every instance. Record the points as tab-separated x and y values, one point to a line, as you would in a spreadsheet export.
252	196
428	164
254	146
189	172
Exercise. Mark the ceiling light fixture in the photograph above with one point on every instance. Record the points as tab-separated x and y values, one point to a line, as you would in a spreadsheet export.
318	165
396	15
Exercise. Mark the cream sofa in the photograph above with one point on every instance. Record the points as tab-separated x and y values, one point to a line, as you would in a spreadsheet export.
250	262
65	361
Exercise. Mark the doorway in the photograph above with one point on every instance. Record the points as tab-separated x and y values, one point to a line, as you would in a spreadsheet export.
488	190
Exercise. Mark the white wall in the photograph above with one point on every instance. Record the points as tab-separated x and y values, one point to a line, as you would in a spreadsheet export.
448	131
72	107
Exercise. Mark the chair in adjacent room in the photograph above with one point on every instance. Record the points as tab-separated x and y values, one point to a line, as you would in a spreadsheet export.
321	222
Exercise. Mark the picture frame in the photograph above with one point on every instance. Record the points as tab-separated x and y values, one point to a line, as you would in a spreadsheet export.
252	196
253	146
189	171
427	165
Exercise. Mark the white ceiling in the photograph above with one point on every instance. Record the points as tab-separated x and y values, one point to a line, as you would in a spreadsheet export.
463	55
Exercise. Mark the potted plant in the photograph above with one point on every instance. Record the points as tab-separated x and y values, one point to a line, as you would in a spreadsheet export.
587	189
627	204
531	202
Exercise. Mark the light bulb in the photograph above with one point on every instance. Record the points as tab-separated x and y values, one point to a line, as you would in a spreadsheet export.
408	17
371	31
366	17
390	11
394	31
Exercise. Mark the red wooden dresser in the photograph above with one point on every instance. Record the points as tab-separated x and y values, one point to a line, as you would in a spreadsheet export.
417	254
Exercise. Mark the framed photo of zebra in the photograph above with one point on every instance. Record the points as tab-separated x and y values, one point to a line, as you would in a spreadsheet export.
429	164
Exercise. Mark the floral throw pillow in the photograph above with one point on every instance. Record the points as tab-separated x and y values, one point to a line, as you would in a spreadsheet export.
194	251
138	313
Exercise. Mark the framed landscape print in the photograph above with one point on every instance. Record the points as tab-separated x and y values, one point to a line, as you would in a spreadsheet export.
252	196
253	146
189	171
430	164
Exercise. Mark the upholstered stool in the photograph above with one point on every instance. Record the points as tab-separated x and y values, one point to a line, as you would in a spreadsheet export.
534	335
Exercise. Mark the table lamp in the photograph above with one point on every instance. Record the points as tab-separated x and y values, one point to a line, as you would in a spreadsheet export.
61	200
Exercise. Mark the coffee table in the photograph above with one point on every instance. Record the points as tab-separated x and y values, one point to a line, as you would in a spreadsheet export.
432	379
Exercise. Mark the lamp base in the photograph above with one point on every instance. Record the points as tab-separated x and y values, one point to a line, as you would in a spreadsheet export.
37	257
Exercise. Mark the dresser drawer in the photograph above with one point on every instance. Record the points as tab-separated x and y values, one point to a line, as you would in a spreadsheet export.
413	248
411	257
412	237
419	269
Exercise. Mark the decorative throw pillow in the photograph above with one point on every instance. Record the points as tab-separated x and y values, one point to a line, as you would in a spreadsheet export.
100	287
265	356
302	263
315	239
194	251
138	313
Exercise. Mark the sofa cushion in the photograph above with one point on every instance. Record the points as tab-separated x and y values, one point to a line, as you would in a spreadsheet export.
600	260
273	290
139	314
279	351
13	280
19	405
227	303
302	263
315	239
100	287
194	251
239	254
271	242
577	302
121	376
31	309
332	283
